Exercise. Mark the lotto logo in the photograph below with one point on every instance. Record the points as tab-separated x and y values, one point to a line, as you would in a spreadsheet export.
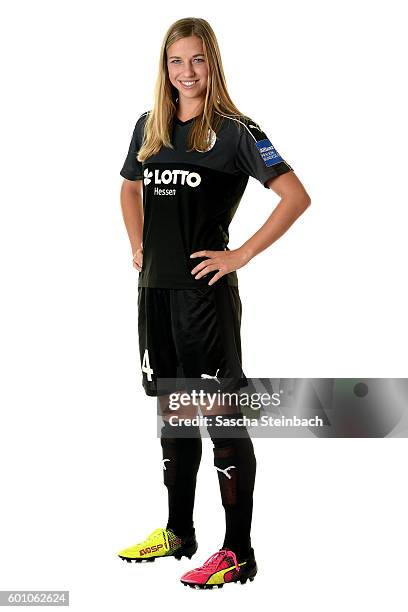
172	177
147	177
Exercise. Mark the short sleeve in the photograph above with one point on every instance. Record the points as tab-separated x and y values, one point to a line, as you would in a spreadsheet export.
132	168
256	155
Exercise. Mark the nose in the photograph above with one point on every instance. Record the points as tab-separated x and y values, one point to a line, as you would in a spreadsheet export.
189	71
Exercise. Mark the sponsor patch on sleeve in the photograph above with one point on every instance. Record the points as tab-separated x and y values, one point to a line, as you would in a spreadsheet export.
268	152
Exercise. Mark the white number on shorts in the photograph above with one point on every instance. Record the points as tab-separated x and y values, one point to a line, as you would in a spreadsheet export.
146	365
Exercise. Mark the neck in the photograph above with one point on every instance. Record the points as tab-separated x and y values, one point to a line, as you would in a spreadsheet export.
187	109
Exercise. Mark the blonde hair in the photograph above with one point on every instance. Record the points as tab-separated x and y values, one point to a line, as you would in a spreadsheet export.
217	100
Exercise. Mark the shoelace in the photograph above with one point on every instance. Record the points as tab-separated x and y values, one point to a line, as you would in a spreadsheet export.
213	562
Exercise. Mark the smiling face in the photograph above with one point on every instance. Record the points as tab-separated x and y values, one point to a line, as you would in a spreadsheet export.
188	69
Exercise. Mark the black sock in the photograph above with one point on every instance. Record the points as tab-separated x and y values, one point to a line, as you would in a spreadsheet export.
181	460
236	484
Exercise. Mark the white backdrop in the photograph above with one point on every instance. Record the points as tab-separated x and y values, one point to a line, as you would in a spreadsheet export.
81	472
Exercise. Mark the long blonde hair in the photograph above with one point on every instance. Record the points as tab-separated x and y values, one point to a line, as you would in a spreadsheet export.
217	99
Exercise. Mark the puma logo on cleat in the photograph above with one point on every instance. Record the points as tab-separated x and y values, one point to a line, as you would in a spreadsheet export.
225	471
212	377
149	549
163	463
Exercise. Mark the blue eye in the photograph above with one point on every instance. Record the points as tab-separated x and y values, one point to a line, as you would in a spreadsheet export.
198	59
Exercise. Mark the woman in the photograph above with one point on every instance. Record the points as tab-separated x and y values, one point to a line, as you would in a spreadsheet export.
188	164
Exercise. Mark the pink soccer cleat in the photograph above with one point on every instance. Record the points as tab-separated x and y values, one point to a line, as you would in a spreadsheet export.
221	568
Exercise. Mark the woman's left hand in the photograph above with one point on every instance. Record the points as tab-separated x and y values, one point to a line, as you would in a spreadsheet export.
223	261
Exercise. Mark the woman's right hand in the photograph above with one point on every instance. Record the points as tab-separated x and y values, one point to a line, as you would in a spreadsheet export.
138	258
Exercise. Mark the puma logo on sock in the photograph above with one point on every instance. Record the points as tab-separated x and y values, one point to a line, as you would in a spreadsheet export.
225	471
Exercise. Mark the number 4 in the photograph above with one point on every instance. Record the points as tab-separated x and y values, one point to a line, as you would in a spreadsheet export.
146	365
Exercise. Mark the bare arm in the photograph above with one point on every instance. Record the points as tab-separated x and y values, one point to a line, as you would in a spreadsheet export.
131	200
294	201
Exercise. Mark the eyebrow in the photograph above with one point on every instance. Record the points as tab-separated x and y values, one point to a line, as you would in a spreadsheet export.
177	57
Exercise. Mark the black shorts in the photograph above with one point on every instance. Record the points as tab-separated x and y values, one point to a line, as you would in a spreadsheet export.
190	335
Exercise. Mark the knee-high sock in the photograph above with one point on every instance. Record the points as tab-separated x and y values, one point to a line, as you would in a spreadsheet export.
235	461
181	460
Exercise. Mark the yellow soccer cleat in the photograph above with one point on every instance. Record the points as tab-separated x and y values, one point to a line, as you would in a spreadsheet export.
160	543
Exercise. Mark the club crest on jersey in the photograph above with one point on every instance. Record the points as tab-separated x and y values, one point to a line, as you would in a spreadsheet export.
212	137
171	177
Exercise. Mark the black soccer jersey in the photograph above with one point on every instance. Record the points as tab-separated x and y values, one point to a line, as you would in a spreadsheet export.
190	198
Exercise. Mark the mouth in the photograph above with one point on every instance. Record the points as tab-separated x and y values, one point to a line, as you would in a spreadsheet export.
188	84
